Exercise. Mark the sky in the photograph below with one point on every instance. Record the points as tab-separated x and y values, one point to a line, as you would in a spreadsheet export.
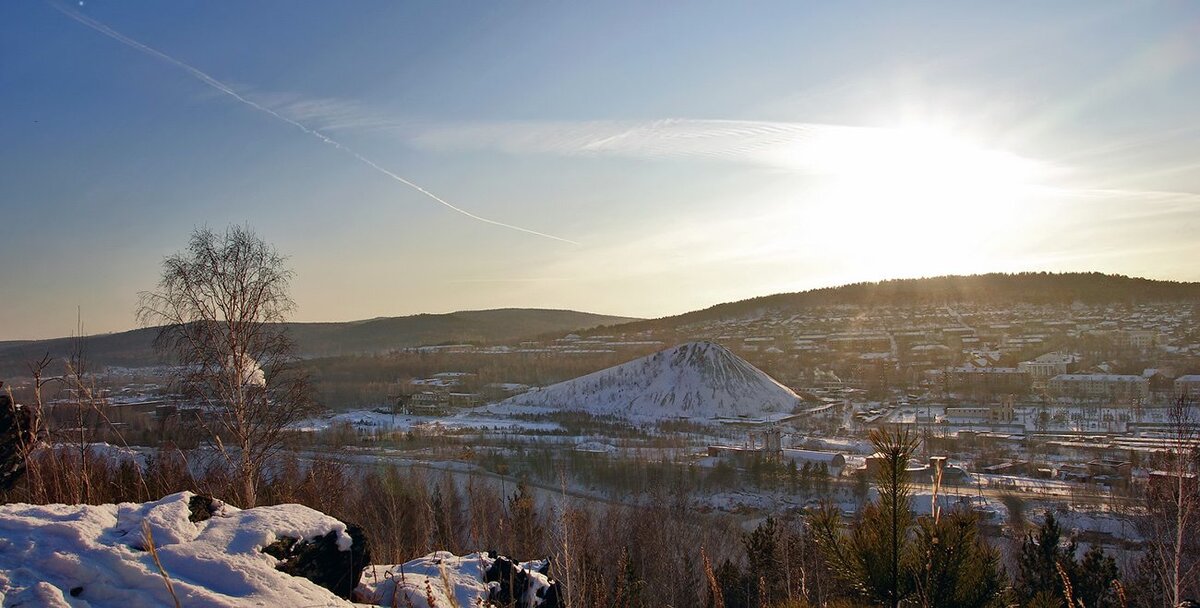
627	158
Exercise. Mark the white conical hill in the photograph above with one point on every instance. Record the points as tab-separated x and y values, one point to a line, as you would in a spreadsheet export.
698	380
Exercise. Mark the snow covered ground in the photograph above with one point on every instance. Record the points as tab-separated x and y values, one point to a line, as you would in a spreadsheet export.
60	556
477	419
94	555
440	576
699	381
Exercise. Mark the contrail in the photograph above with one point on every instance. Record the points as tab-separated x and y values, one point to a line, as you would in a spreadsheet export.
226	89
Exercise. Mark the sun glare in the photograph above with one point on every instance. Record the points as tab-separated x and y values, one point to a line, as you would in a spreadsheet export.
913	197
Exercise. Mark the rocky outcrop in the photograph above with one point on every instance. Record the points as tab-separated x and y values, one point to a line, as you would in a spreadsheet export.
322	561
16	424
201	508
514	585
444	579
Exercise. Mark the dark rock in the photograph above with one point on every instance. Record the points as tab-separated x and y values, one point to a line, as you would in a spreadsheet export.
201	508
320	561
550	596
16	424
514	582
76	591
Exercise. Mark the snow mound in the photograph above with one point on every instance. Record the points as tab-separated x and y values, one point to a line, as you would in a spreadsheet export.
595	447
94	555
698	380
440	575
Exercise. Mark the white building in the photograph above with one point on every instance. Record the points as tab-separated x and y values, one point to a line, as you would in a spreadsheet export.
1106	388
1048	366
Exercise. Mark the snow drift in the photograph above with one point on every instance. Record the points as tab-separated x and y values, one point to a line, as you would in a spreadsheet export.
443	579
60	556
95	555
698	380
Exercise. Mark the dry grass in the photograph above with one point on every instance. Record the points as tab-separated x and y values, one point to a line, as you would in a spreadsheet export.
148	540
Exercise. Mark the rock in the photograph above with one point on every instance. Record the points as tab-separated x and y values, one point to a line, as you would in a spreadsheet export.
320	561
514	582
16	423
201	508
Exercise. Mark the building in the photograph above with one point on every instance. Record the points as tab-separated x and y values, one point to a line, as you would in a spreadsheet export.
1047	366
1165	485
987	382
1109	472
1188	385
1141	339
833	460
998	413
1100	388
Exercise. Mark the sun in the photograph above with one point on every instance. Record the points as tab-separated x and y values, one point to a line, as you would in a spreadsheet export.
920	199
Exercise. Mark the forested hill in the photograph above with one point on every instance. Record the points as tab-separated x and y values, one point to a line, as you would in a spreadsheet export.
135	348
996	288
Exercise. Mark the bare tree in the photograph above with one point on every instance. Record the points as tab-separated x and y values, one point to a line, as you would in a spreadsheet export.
222	306
1174	507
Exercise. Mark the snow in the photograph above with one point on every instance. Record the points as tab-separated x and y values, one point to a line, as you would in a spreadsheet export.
107	451
250	372
97	551
597	447
370	419
439	576
48	550
698	380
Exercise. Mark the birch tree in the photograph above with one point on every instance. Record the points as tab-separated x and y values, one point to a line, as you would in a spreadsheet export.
221	305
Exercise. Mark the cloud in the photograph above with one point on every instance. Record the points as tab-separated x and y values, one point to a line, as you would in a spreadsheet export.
313	109
751	141
797	146
324	113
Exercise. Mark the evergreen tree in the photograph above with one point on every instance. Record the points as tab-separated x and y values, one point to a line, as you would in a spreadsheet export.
889	558
876	558
1092	580
959	569
733	584
1037	565
525	528
1039	580
763	553
629	590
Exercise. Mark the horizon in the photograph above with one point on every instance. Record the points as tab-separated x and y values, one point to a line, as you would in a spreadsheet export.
623	160
632	319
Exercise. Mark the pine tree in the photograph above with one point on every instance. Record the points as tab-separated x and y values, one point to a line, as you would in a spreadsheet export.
1093	579
1037	565
526	529
889	558
876	558
959	569
733	583
766	563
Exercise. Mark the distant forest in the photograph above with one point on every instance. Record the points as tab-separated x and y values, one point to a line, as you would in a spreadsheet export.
502	326
995	288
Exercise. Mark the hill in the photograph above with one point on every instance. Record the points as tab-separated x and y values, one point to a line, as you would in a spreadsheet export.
698	380
995	288
135	348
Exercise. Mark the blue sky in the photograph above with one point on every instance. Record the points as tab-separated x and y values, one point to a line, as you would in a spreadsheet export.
693	153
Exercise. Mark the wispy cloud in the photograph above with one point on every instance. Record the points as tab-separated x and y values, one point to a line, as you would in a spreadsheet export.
324	113
809	147
736	140
313	109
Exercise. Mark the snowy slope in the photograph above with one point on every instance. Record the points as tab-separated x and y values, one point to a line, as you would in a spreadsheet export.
46	551
439	576
76	556
698	380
